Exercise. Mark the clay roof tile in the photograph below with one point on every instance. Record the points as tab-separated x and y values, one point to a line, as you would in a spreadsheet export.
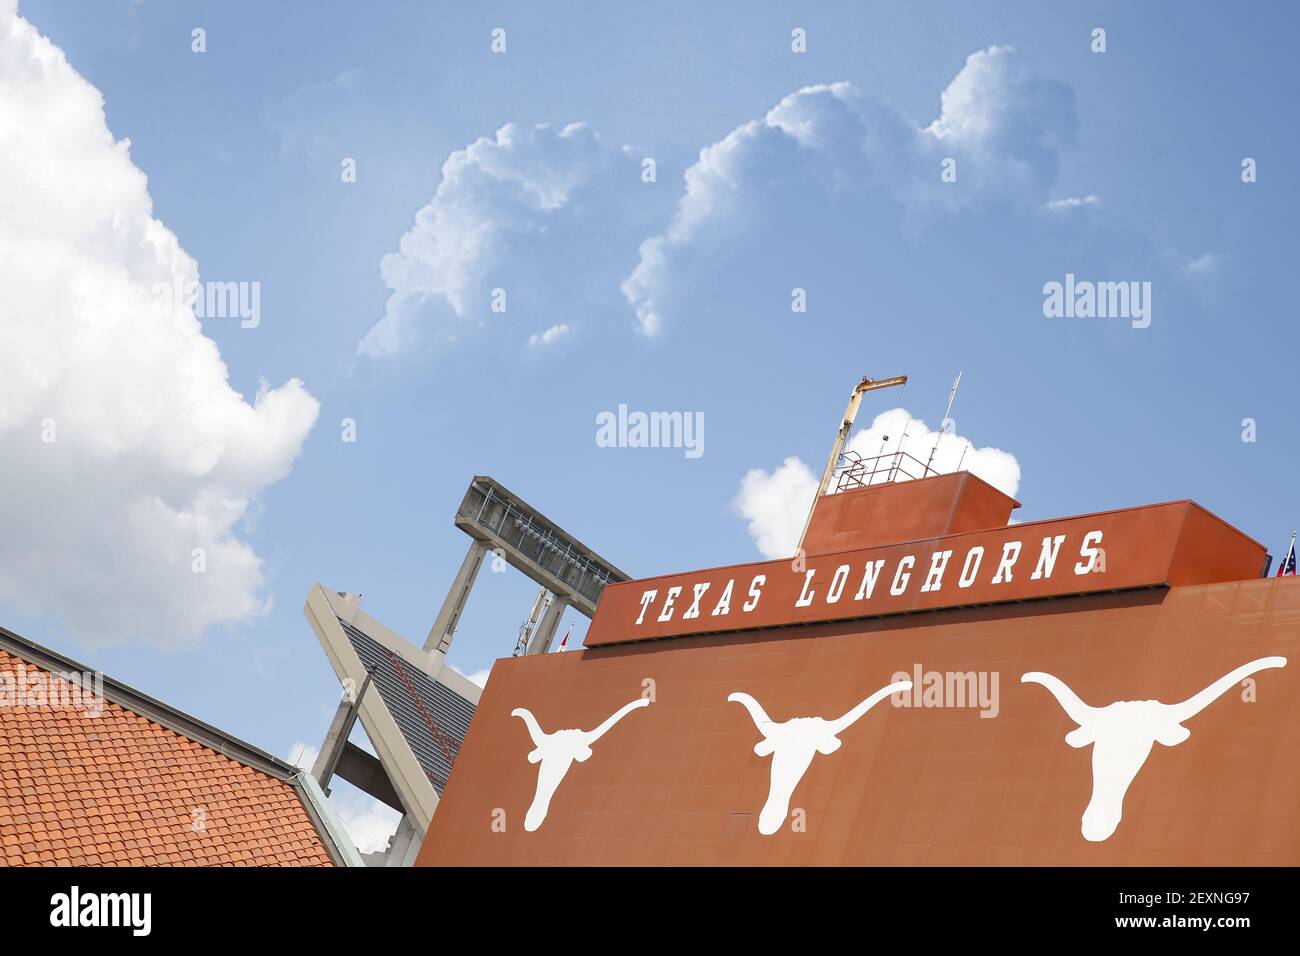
122	789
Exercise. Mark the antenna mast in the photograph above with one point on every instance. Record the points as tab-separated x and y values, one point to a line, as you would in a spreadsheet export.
943	427
842	436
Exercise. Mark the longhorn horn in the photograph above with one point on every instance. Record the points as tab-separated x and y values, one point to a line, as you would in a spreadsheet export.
534	729
756	711
836	726
1198	702
1074	708
614	718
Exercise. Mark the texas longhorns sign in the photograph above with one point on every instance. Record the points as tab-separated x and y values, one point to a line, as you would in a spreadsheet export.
1122	735
1136	547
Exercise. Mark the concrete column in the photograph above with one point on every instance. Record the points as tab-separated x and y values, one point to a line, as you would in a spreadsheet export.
444	626
404	845
541	642
332	747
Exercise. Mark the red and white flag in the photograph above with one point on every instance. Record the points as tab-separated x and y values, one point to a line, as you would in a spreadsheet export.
1288	563
564	641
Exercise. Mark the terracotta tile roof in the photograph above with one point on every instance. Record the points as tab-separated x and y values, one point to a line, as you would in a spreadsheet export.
120	789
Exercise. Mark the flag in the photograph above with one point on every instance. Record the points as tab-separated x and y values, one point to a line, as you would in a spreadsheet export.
1288	563
564	642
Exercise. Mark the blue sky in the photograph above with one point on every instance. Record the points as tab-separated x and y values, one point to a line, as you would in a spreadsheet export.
1115	166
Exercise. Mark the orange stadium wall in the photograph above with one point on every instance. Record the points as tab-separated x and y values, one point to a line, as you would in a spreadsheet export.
970	766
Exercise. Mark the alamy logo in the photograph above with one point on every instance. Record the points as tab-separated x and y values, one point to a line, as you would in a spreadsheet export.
1122	735
211	300
977	689
651	430
37	688
556	753
74	908
793	743
1099	300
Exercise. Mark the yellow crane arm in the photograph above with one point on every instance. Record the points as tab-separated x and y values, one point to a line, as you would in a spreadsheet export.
842	436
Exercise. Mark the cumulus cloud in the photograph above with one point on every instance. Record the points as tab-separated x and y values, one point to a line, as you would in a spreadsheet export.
1005	126
1002	126
125	447
775	504
510	209
507	199
724	185
369	823
550	336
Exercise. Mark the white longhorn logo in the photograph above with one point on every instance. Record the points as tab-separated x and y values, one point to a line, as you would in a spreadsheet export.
557	751
1123	733
792	745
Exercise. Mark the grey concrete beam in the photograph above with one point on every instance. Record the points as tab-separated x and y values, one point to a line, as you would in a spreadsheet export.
444	626
545	634
364	771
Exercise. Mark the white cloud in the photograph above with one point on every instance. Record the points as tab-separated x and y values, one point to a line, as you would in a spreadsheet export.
999	468
775	504
550	336
1203	265
721	185
369	822
1003	126
1071	202
511	208
1205	275
154	454
303	756
479	677
495	194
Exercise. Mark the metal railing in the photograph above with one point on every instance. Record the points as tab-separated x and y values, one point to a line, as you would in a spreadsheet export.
854	471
